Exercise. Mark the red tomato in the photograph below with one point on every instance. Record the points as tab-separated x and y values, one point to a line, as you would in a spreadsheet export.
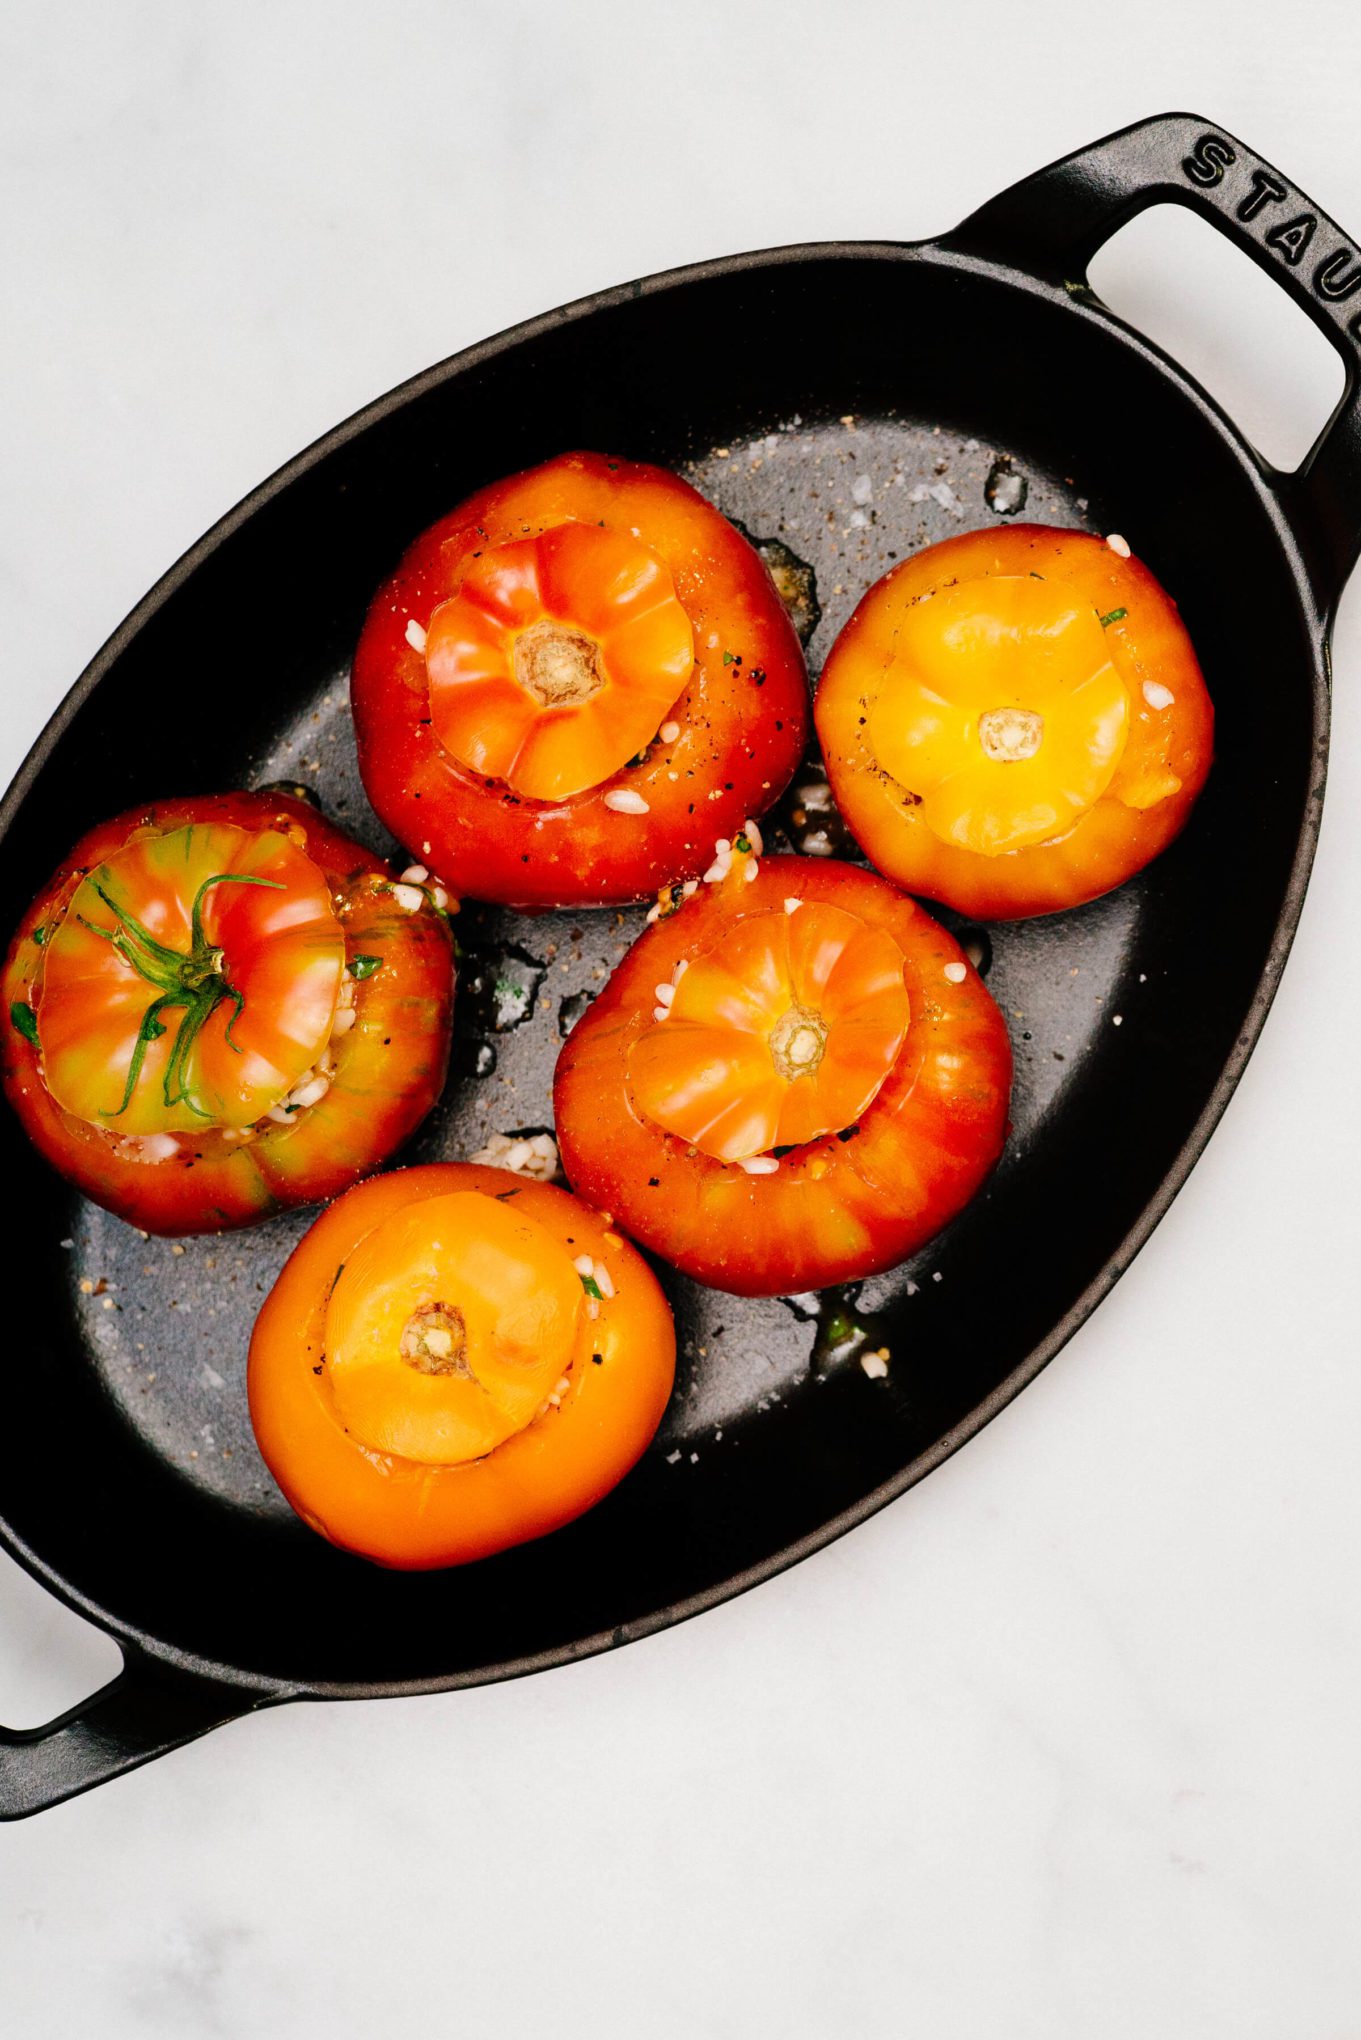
455	1360
1014	721
573	682
794	1079
218	1007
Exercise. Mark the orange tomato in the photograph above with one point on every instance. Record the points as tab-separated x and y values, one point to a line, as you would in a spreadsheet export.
454	1360
572	681
794	1079
1014	721
218	1007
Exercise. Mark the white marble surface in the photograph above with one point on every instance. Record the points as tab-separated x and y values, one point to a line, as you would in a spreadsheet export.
1063	1745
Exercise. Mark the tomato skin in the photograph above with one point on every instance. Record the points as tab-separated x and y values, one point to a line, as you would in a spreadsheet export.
418	1517
390	1067
1111	840
741	736
834	1210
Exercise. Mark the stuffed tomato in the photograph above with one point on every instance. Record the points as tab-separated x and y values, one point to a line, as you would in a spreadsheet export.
1014	721
572	682
456	1359
218	1007
793	1079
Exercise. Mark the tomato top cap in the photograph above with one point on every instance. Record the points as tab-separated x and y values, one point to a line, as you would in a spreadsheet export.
448	1326
781	1032
557	659
1001	712
193	978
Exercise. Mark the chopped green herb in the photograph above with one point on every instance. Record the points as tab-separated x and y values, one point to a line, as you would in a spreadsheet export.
506	988
40	935
1113	616
592	1287
729	658
742	841
25	1020
364	966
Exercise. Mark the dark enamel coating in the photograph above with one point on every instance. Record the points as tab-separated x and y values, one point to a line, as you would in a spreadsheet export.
158	1522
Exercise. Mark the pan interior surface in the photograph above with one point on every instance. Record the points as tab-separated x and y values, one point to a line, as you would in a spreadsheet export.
847	409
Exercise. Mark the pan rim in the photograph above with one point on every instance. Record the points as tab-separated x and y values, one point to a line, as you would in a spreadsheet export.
260	1688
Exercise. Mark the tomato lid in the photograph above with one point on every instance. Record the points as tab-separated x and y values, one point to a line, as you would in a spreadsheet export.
449	1326
781	1032
557	659
192	981
1001	712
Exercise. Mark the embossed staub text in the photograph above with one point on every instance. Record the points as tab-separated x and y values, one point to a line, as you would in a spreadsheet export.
1296	234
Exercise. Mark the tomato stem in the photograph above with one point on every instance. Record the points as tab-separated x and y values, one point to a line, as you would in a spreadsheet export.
196	982
150	1030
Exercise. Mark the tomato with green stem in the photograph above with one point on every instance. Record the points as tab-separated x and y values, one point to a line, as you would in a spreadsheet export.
218	1007
572	682
794	1079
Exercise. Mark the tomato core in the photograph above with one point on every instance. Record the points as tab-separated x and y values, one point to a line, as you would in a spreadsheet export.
781	1032
558	667
557	659
448	1327
1009	735
435	1340
798	1042
1001	714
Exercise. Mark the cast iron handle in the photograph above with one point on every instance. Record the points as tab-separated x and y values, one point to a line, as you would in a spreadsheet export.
1052	224
141	1714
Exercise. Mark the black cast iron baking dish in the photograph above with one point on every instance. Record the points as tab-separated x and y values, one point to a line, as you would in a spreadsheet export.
777	380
